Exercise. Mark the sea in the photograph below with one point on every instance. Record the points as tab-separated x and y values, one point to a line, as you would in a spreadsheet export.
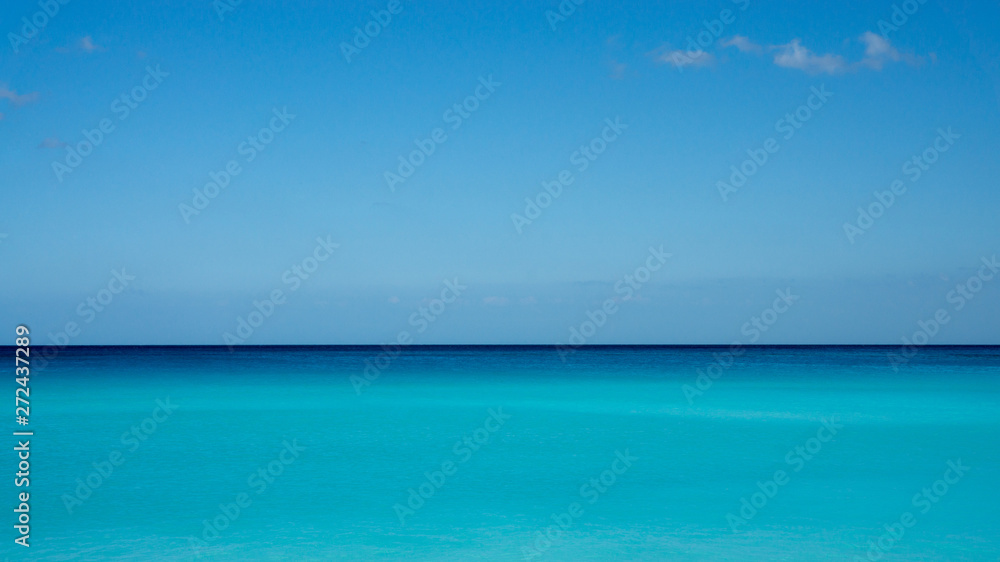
509	453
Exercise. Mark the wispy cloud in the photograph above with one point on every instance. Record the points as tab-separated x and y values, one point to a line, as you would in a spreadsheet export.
743	44
680	58
87	44
878	52
52	142
17	100
618	70
794	55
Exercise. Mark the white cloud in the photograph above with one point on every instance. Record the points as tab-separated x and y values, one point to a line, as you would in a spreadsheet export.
743	44
794	55
618	70
877	46
16	99
87	44
679	58
52	142
878	51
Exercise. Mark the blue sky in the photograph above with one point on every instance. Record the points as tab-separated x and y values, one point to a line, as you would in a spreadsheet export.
209	77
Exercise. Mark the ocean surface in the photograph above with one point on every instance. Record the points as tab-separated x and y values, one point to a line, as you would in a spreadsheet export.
494	453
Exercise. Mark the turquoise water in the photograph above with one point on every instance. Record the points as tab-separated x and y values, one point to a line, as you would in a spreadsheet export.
542	434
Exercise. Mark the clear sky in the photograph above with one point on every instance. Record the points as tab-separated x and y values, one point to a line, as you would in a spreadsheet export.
310	114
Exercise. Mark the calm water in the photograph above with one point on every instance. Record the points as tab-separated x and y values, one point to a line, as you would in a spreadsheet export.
272	453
